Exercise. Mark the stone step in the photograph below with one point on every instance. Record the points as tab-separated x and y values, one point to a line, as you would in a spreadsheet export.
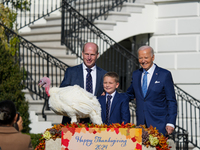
40	71
37	78
38	127
104	24
51	116
59	51
36	33
90	3
132	7
56	53
118	16
49	43
28	95
55	37
46	27
126	7
43	37
54	18
61	54
66	60
36	105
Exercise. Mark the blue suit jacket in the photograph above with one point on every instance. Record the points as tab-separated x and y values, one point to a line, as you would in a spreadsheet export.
74	76
159	106
119	109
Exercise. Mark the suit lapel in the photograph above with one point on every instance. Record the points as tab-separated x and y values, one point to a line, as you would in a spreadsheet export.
103	103
153	79
98	81
139	81
114	102
80	72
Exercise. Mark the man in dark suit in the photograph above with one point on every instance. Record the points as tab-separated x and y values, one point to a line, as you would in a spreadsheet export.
114	105
153	89
78	75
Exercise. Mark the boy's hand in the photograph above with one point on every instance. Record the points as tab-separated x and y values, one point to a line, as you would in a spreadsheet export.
103	94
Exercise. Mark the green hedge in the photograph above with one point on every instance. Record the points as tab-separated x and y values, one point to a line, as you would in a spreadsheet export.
35	139
10	73
11	86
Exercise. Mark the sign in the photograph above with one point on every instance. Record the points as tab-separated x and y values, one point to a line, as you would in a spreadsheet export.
101	139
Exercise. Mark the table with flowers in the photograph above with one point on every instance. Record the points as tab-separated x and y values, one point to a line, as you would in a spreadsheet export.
58	137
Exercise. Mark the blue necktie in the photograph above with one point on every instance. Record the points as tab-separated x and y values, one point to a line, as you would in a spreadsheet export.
89	81
108	108
144	84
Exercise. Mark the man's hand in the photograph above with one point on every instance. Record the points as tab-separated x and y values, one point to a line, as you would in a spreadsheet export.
169	129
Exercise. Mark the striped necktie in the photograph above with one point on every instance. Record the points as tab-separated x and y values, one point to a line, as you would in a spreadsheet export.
108	108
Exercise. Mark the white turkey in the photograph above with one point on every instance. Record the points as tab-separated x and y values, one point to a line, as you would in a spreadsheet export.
72	101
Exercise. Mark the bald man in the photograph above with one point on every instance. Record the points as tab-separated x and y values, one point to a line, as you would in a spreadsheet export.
77	75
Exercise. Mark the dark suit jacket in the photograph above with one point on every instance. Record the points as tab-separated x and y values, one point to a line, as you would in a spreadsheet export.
74	76
119	109
11	139
159	106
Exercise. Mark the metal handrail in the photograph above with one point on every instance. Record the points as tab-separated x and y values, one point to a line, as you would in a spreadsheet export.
37	9
188	116
180	137
96	9
77	30
187	96
35	64
32	12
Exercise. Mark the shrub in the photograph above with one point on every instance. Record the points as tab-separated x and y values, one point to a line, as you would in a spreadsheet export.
10	73
10	85
35	139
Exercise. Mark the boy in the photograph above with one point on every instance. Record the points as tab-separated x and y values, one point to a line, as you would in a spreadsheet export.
114	105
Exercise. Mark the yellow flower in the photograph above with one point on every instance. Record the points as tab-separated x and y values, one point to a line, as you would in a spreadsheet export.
47	135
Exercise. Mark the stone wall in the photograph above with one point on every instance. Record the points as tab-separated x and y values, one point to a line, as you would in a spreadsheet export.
176	41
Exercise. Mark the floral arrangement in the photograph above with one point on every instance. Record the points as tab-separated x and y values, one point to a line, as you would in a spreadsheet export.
150	136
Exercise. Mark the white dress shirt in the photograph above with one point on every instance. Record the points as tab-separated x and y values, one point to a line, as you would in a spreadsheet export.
93	74
149	75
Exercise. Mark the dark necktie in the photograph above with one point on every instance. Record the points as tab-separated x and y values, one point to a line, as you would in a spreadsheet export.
144	84
89	81
108	108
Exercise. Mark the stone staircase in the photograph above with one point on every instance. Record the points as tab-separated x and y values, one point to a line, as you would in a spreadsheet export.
122	16
48	37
